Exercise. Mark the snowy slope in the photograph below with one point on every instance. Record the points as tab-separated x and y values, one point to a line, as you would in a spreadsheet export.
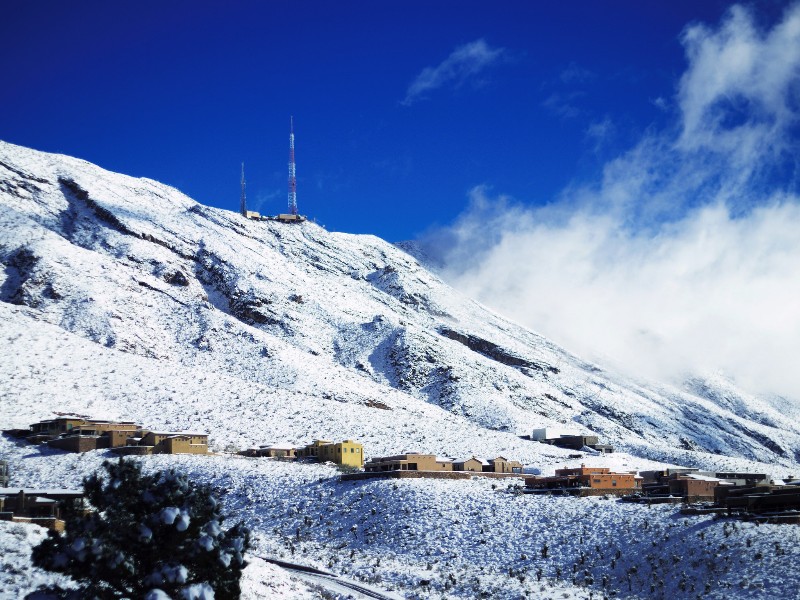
197	317
459	539
123	298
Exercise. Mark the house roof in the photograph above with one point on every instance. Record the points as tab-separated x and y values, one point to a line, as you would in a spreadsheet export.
171	433
701	477
279	447
463	460
39	492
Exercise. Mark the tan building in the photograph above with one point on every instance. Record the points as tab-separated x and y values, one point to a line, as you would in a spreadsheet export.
166	442
347	453
176	442
51	429
411	461
272	451
85	438
693	486
473	464
503	465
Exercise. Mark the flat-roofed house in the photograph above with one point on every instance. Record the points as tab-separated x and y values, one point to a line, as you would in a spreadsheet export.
166	442
693	486
502	465
599	479
176	442
410	461
472	464
347	453
312	450
43	507
550	433
276	451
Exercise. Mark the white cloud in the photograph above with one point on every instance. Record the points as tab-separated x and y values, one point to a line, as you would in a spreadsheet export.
685	256
601	132
574	73
464	64
563	104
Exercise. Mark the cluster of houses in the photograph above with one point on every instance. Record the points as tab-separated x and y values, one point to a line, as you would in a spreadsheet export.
346	454
78	434
733	492
693	485
414	461
351	454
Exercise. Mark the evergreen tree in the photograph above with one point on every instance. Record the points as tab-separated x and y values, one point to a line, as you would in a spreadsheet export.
150	537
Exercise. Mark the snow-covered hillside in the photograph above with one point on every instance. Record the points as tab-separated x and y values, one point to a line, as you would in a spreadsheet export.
123	298
189	316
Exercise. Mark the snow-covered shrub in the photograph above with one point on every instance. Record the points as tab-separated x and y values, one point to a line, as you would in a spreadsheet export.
150	536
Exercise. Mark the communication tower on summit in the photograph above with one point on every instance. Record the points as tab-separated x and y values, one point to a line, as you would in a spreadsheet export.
243	202
292	170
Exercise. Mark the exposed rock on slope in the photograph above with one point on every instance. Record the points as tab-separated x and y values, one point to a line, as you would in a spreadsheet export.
326	322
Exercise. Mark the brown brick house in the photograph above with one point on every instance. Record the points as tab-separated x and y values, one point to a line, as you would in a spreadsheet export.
587	480
41	507
693	487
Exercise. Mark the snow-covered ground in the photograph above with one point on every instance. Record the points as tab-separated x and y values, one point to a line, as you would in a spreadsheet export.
123	298
468	539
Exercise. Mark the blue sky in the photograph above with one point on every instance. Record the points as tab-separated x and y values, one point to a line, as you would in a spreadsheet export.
401	108
619	176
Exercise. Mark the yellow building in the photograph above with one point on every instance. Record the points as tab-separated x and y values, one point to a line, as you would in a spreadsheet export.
347	453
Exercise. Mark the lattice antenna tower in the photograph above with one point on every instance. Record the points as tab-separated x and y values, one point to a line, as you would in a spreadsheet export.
243	201
292	171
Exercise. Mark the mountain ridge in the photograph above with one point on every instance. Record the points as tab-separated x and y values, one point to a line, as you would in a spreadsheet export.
347	323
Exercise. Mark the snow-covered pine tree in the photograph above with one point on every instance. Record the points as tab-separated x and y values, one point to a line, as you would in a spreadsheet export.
152	536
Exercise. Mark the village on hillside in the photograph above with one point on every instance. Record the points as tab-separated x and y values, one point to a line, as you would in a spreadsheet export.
749	496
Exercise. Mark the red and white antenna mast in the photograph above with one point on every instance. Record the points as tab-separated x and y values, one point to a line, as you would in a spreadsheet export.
292	171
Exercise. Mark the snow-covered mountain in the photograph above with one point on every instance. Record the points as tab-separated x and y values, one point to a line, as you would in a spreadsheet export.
123	297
